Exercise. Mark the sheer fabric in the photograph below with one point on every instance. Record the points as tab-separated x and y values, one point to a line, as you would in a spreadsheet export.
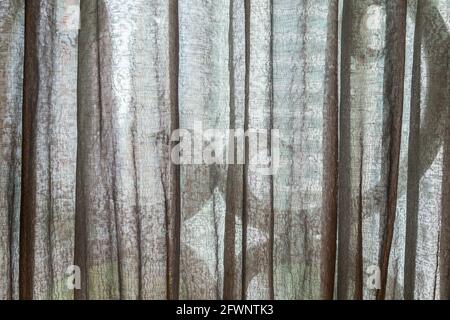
91	92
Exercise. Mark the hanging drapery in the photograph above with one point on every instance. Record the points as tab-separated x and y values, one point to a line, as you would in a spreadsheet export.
11	57
95	96
127	217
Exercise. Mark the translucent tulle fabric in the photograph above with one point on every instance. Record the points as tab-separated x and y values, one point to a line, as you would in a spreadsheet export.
91	91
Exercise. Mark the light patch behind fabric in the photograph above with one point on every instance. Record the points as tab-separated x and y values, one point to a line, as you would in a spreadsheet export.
68	15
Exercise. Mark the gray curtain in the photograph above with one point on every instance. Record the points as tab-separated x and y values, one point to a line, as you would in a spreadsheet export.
91	92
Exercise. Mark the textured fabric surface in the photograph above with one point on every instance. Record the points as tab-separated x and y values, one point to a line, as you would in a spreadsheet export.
92	91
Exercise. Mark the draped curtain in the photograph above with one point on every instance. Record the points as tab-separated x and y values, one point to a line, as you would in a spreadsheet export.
92	90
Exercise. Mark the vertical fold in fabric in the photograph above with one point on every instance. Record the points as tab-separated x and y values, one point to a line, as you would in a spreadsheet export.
232	282
345	257
426	152
413	177
127	225
258	196
330	157
394	73
244	229
11	77
172	174
49	149
362	187
426	190
300	30
204	115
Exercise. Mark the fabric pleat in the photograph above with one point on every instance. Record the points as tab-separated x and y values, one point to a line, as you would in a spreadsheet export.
11	81
127	226
49	151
